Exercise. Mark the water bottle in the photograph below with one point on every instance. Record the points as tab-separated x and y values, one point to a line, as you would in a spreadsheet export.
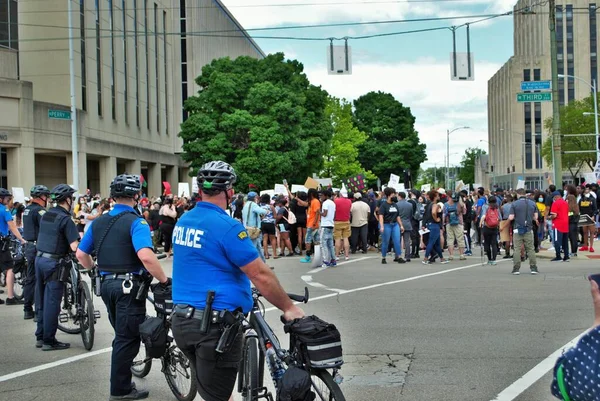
274	364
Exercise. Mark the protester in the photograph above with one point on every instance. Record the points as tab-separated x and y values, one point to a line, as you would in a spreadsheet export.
559	214
431	220
390	226
360	213
454	213
406	212
588	206
489	224
341	233
573	223
522	214
327	224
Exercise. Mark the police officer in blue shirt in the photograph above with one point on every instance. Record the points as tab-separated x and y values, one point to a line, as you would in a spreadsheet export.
123	245
31	227
213	252
57	237
6	261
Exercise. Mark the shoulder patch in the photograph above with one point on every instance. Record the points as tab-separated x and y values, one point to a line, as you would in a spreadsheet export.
42	212
243	235
144	222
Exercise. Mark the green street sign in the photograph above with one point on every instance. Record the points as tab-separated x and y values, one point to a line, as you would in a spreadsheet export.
59	114
534	97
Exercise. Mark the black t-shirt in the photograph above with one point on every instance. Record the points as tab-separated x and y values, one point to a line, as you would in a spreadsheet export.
299	211
389	211
468	217
282	216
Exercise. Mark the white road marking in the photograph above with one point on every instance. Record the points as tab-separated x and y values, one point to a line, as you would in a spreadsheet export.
535	374
54	364
76	358
309	280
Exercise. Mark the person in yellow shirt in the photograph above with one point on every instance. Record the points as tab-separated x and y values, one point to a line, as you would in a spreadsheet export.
540	202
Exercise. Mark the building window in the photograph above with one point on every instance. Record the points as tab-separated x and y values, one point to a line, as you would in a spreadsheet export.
113	89
527	75
147	65
98	59
570	54
165	72
9	24
536	74
137	63
83	55
184	83
593	43
125	66
157	72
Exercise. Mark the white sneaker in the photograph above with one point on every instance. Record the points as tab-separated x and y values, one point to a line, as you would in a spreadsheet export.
346	258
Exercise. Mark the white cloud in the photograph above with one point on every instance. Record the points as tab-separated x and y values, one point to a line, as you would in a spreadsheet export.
425	86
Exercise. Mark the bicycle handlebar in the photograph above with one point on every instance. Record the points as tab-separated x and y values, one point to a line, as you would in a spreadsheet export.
300	298
161	256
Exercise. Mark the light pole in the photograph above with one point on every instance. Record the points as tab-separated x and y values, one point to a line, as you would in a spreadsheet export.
491	164
448	132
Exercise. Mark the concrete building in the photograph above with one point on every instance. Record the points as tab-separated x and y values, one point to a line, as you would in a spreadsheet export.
135	64
516	130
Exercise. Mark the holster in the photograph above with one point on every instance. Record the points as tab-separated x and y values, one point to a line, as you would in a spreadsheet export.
63	269
232	325
4	243
144	286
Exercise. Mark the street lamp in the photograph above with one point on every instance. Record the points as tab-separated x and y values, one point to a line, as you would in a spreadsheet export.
491	164
595	90
448	132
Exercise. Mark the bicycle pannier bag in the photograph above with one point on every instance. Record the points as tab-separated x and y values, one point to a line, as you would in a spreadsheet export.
295	386
320	342
154	336
163	300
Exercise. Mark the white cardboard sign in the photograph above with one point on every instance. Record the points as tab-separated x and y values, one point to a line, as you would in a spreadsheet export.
18	195
280	189
298	188
183	189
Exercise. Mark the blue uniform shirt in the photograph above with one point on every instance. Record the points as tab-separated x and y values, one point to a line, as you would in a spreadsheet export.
5	217
140	232
209	248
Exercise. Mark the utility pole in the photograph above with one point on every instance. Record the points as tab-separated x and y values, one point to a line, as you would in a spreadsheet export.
74	145
448	155
556	141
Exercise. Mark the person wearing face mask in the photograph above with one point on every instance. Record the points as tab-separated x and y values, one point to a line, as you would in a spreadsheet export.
390	225
57	237
540	202
587	205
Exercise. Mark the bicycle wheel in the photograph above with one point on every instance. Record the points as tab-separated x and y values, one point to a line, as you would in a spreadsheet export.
18	287
324	387
86	317
249	372
141	364
180	375
3	279
68	312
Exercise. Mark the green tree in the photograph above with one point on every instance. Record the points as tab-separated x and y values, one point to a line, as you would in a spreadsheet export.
466	172
341	161
262	116
393	144
432	175
572	124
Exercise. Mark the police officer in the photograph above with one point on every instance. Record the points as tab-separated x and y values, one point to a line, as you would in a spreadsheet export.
123	245
31	227
6	261
213	252
57	237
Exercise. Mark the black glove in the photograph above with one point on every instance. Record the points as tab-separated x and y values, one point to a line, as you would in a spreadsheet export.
163	286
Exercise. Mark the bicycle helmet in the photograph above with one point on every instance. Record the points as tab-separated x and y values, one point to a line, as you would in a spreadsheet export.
61	192
216	176
4	193
39	190
125	186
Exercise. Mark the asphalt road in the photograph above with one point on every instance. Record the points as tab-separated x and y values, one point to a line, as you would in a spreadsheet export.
459	331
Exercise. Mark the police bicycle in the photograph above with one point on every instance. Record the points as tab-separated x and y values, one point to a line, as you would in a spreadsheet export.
180	375
77	313
19	268
260	341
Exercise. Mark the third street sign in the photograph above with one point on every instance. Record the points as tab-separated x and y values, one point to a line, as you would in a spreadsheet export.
534	97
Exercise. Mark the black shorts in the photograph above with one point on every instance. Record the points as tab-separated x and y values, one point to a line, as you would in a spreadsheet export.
215	373
301	224
6	261
268	228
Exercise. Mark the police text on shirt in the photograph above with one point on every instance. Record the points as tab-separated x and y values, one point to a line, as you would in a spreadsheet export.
186	236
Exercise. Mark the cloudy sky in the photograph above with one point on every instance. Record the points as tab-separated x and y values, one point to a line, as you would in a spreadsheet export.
415	68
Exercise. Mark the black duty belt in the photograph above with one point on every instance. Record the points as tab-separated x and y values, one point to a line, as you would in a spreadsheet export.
121	276
50	255
198	313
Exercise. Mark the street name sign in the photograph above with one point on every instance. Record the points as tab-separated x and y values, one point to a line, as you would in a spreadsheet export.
536	85
534	97
59	114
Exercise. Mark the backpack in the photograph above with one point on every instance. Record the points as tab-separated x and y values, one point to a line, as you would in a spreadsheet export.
154	336
452	212
418	210
492	218
291	219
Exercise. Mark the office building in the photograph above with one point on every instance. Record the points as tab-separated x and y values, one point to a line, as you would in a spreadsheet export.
135	62
516	130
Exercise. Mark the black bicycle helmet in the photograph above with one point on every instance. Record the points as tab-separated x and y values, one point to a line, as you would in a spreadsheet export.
61	192
39	190
216	175
4	193
125	186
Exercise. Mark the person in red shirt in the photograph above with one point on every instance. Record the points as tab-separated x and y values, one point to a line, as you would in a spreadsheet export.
559	214
341	231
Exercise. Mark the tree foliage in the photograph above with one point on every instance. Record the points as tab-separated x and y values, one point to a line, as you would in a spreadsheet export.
467	171
432	175
341	161
393	144
573	123
262	116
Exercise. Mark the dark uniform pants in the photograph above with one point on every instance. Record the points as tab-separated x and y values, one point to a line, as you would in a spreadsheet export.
215	373
125	314
29	282
48	296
